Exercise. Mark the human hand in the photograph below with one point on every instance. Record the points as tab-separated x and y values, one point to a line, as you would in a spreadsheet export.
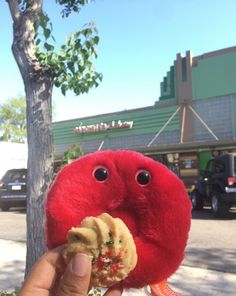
50	277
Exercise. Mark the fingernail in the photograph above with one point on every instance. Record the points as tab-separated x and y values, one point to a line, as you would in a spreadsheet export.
80	264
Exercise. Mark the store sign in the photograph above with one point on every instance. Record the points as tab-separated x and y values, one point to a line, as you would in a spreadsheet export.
101	127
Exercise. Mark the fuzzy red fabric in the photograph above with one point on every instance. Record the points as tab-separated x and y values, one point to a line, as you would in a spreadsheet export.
157	211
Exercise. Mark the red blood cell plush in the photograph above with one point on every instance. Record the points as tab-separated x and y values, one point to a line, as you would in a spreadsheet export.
149	198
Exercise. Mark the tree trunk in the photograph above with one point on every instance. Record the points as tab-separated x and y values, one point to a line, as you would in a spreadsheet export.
40	164
38	87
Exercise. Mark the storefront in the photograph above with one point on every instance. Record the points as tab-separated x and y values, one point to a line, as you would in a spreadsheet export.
193	119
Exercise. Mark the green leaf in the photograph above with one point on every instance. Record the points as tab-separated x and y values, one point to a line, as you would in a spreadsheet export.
46	33
41	56
87	32
63	47
64	89
77	44
96	39
56	83
38	41
88	44
80	69
70	65
48	46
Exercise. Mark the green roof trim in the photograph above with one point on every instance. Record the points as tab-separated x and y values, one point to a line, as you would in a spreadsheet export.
145	121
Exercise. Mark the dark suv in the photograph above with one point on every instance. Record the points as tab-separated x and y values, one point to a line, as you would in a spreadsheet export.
13	189
217	186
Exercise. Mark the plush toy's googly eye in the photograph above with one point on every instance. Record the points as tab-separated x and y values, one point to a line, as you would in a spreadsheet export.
101	174
143	177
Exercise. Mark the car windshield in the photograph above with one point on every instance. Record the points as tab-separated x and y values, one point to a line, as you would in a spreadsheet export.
14	175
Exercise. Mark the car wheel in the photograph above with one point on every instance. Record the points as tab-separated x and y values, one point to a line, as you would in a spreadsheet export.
197	200
219	208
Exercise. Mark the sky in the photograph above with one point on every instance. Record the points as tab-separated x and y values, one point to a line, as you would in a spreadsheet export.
139	40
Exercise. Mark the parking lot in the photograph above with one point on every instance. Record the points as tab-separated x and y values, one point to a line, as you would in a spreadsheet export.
209	267
212	242
211	245
13	225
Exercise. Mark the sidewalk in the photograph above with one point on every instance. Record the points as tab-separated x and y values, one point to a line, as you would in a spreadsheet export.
12	264
187	280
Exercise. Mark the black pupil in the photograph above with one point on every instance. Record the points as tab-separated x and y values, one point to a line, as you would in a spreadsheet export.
143	178
101	174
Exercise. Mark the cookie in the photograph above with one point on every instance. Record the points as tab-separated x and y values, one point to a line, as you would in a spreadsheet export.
109	243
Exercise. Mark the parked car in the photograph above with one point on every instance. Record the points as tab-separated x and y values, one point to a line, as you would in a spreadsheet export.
217	186
13	189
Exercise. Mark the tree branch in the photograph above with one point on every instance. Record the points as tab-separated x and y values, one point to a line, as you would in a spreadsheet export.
14	9
23	47
36	5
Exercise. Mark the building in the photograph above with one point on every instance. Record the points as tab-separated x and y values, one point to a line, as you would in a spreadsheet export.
12	156
194	118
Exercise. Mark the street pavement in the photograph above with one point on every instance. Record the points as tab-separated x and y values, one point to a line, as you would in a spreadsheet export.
187	280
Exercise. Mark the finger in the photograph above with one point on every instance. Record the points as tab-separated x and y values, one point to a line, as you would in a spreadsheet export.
75	281
43	275
114	292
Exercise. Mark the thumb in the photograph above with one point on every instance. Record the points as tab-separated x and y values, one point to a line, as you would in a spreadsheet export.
76	278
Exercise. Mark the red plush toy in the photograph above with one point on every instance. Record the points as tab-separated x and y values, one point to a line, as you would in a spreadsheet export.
143	193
